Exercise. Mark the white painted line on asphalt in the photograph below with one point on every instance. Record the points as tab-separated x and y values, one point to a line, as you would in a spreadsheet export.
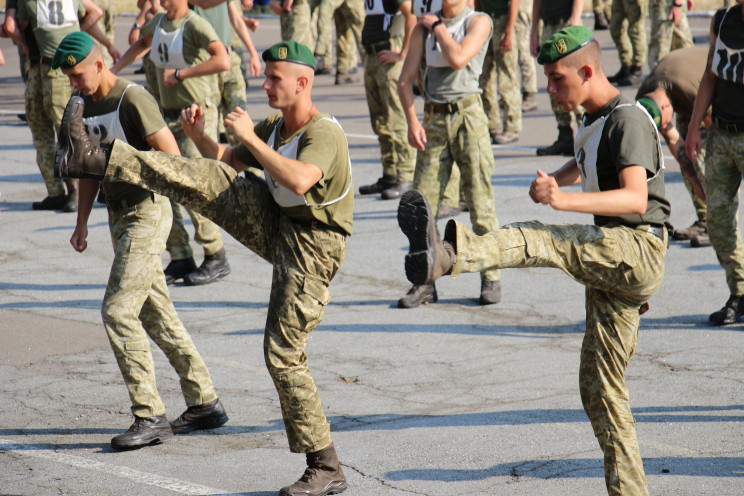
174	485
363	136
12	112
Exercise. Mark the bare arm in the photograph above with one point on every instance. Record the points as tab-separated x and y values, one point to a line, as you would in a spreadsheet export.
578	7
703	99
408	75
99	36
11	29
92	14
458	55
387	57
87	191
535	28
630	198
507	39
135	52
218	61
236	20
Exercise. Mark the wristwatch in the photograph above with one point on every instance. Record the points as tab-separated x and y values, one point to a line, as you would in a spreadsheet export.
436	23
678	5
177	76
136	26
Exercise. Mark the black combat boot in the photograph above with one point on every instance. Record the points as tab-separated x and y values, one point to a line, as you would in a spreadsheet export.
490	292
397	190
345	78
143	432
320	67
621	74
564	145
322	476
730	313
428	258
205	416
600	22
178	269
72	196
634	77
419	294
212	268
382	184
529	101
50	203
700	227
77	156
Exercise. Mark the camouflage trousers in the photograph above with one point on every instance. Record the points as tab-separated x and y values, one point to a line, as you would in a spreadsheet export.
461	137
231	92
47	94
724	168
137	305
388	120
602	7
563	118
305	257
665	36
698	167
106	24
206	232
501	68
522	40
628	30
621	268
295	25
348	17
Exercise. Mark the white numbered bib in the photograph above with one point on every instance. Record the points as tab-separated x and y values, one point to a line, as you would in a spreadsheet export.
104	129
167	48
727	63
55	14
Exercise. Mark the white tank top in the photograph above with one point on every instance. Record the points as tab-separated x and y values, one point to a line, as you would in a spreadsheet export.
283	196
104	129
55	14
727	63
586	148
167	48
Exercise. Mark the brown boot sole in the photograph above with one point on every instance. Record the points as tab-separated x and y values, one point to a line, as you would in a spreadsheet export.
417	223
65	143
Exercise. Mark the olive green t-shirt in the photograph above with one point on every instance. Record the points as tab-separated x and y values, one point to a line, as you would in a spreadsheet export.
49	36
197	36
139	117
629	138
322	143
219	18
678	74
496	8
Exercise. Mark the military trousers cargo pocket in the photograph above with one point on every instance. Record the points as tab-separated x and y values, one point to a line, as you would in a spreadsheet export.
305	309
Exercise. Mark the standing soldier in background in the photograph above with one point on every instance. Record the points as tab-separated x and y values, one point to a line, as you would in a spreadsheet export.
348	16
628	30
500	68
453	44
602	10
386	37
722	86
525	59
48	90
188	54
295	20
136	304
671	89
555	15
106	24
669	28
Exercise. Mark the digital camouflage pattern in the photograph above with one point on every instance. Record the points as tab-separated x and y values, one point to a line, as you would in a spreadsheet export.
621	268
47	94
563	118
502	69
296	25
206	232
460	137
137	305
305	256
665	36
628	30
724	168
388	119
348	17
522	42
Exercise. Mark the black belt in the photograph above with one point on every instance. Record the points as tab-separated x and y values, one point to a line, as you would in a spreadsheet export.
46	60
172	114
377	47
657	231
451	107
729	127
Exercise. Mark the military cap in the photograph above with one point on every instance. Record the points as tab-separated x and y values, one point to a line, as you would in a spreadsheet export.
72	50
562	43
653	110
290	51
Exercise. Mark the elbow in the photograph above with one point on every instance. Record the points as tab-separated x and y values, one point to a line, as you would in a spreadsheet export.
224	63
640	207
457	64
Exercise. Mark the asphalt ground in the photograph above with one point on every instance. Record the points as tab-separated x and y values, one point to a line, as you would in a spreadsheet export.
451	398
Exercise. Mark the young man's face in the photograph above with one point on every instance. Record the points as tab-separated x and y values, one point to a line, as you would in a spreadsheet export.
566	85
84	77
281	83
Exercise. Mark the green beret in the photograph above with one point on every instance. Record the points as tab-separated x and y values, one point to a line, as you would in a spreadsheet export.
562	43
72	50
652	109
290	51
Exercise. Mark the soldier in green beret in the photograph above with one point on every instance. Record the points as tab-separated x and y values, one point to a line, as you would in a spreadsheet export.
298	221
136	303
620	259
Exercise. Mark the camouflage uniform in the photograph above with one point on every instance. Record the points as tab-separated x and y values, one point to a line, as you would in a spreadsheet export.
305	257
724	169
503	67
106	24
47	94
563	118
628	30
665	36
296	25
522	40
137	305
206	232
348	16
602	7
398	157
621	268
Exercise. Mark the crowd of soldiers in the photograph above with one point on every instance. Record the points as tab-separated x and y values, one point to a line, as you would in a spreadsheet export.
94	132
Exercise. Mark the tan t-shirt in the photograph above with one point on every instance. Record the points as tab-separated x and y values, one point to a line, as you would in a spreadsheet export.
58	20
197	36
322	143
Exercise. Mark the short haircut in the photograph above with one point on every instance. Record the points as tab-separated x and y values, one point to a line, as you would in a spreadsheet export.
589	54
